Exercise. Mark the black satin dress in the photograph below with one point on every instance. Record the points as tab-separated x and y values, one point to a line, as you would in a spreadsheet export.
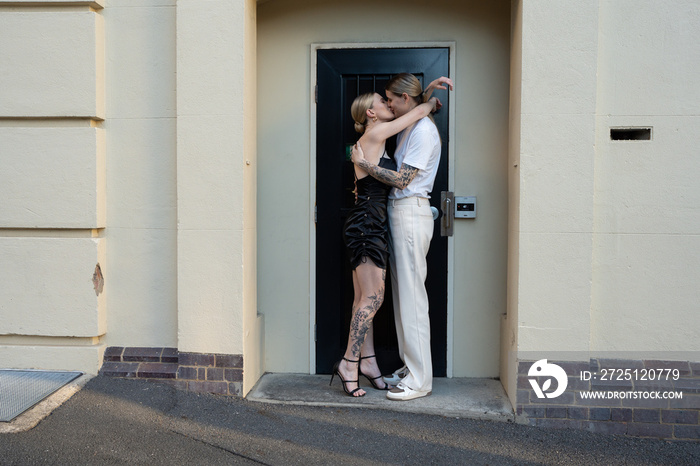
365	230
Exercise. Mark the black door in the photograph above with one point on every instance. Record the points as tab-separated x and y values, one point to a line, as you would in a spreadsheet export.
343	74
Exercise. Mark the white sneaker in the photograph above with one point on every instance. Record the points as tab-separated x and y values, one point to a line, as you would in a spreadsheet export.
396	377
404	393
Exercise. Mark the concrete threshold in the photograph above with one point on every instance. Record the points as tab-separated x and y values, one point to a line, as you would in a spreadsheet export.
456	397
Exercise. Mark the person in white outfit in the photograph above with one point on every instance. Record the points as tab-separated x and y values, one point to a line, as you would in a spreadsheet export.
411	229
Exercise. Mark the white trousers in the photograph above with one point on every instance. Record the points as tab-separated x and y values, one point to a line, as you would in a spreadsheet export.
411	229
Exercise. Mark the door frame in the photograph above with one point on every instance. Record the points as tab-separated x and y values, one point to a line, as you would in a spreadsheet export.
314	48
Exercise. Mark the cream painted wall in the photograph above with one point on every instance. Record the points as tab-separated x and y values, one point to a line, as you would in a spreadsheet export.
91	3
141	166
253	321
210	176
66	160
509	321
606	256
216	182
555	176
209	185
53	179
128	157
481	34
48	291
646	253
56	73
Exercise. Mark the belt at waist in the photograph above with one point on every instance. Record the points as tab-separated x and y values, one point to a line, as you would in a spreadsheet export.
419	201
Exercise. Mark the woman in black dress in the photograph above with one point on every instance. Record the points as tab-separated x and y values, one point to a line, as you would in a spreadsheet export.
365	235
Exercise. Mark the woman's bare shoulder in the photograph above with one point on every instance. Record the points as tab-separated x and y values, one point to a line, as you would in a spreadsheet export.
371	148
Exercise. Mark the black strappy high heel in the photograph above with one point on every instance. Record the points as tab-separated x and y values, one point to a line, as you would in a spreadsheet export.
371	379
345	388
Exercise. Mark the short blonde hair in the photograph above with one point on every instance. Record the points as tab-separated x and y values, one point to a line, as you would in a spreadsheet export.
406	82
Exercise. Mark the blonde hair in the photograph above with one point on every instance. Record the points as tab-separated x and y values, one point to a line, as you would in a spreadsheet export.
406	82
359	108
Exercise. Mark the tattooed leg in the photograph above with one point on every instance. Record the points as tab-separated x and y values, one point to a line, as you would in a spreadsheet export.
370	279
369	286
369	366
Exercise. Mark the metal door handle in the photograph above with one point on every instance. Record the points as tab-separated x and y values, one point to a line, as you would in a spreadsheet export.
448	220
447	223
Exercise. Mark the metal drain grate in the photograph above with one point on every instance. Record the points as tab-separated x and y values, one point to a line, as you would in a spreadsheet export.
22	389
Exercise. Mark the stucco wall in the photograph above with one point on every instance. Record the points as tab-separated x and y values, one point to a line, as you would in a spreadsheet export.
555	171
216	182
141	127
480	31
105	154
89	120
604	261
646	248
52	173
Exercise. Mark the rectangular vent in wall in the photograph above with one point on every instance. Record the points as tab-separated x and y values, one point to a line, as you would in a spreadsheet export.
630	134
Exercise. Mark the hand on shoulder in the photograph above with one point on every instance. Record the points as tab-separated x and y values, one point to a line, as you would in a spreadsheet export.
357	154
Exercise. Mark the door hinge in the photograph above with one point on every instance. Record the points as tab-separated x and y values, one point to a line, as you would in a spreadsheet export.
315	214
315	332
316	93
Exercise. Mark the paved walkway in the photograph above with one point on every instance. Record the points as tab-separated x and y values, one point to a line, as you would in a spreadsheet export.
117	421
468	398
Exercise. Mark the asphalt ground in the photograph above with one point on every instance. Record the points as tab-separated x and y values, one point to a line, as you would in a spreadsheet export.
118	421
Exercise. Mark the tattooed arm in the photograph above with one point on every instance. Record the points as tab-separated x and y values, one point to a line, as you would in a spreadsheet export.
399	179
